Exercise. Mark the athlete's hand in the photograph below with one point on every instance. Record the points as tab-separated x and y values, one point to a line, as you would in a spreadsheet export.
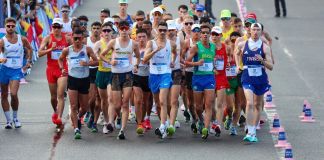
83	63
172	65
53	46
215	72
158	49
135	70
259	57
201	62
238	70
113	62
63	72
3	60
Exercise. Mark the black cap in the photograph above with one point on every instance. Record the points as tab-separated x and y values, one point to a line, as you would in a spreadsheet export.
157	1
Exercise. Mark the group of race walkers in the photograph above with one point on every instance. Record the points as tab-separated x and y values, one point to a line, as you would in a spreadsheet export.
144	60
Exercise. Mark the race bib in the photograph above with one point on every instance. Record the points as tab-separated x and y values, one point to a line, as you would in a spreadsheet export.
75	62
160	67
206	67
219	64
122	62
254	71
231	71
56	54
13	62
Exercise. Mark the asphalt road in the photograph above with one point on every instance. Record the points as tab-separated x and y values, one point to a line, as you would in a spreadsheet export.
297	76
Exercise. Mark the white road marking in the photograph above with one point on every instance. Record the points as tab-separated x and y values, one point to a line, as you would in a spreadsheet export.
287	52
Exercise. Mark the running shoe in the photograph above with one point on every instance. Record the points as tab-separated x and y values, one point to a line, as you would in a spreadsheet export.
86	117
194	128
200	126
250	138
101	119
217	130
54	117
121	135
262	121
170	130
110	127
105	128
58	121
118	123
186	115
77	134
182	107
90	122
140	129
94	128
161	132
147	124
8	125
254	138
233	131
227	123
17	123
177	124
204	133
131	117
212	128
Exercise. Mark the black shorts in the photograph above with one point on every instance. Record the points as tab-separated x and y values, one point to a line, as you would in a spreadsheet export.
188	80
121	80
93	75
81	85
176	77
239	76
141	82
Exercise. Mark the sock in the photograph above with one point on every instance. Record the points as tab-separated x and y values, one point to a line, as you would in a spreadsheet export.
14	114
7	114
147	117
250	129
215	122
76	129
162	126
132	109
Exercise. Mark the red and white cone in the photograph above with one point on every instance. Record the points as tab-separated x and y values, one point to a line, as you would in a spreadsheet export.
308	117
282	141
275	125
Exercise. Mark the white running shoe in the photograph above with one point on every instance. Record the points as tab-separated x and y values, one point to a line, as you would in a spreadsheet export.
177	124
104	129
118	123
101	119
16	123
183	108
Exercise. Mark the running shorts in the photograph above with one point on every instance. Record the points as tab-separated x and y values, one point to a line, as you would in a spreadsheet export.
81	85
9	74
233	83
159	81
257	89
203	82
103	79
121	80
141	82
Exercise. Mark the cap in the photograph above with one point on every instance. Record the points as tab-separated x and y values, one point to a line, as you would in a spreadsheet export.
57	21
250	20
251	15
163	7
217	29
195	26
200	7
157	1
225	13
157	9
256	25
194	1
123	1
109	19
171	24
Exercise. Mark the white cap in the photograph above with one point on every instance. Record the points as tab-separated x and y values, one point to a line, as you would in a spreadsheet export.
57	21
217	29
256	25
123	1
157	9
195	26
115	28
171	24
109	19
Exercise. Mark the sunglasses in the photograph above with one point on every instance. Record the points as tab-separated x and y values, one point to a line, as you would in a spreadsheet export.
247	24
56	27
77	38
199	10
65	11
95	28
10	26
106	30
139	19
124	28
83	23
157	14
226	18
163	30
215	34
188	23
204	32
196	30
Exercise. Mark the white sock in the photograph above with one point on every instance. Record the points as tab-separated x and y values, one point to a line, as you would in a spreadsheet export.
162	126
147	117
15	114
250	129
7	114
132	109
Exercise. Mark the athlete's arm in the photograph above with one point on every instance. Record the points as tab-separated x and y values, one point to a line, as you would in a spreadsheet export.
68	39
238	55
105	52
42	51
2	59
184	50
65	52
193	52
267	62
94	61
149	53
137	53
29	50
174	52
182	47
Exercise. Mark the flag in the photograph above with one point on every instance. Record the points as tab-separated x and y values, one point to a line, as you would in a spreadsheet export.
50	13
38	28
28	30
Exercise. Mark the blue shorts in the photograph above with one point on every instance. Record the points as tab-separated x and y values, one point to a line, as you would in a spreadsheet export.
203	82
159	81
9	74
257	89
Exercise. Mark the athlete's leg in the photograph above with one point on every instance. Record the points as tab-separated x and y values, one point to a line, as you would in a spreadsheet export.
174	92
53	91
61	87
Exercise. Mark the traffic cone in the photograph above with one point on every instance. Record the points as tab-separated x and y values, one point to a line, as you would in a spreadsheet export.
304	107
268	101
288	152
308	118
282	141
275	125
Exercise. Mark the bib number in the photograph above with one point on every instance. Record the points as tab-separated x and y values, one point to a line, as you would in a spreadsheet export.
231	71
76	62
56	54
161	68
206	67
122	63
106	65
13	62
255	71
219	65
